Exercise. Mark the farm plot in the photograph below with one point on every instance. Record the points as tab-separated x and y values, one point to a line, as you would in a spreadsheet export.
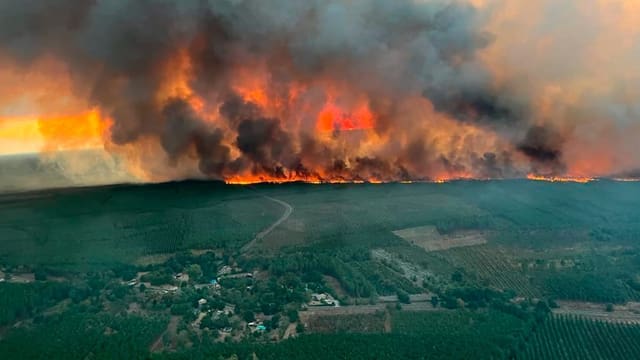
628	313
571	337
362	323
428	238
492	267
459	334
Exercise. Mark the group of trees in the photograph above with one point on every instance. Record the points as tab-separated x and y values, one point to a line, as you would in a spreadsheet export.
267	297
218	322
75	335
199	267
358	274
18	300
312	265
586	286
472	297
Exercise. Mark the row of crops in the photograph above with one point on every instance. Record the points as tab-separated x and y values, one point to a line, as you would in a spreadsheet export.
570	337
600	278
491	267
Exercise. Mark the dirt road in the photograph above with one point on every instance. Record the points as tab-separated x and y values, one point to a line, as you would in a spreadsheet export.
288	209
290	332
172	327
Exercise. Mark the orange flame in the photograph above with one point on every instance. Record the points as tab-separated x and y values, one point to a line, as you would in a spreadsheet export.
84	130
54	132
581	180
332	117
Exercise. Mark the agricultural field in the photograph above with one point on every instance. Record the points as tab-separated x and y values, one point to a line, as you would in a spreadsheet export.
628	313
568	337
491	267
464	335
428	238
358	323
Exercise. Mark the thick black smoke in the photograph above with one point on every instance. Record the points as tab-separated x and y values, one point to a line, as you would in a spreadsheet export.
183	128
120	54
543	146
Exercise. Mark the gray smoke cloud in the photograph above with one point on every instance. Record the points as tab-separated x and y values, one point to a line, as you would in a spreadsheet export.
120	50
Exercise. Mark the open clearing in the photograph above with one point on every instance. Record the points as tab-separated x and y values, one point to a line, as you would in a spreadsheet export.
352	322
411	272
419	302
361	318
428	238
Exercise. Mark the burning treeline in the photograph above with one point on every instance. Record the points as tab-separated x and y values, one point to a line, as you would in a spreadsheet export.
349	90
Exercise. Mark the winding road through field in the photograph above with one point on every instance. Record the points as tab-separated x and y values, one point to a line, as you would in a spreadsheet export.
288	209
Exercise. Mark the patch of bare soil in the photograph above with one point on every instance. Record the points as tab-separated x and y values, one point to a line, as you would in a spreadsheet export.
198	252
369	309
172	327
410	271
331	323
22	278
152	259
290	331
335	285
387	322
135	308
428	238
358	318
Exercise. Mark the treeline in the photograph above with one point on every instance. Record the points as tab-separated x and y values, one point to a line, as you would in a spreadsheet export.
589	286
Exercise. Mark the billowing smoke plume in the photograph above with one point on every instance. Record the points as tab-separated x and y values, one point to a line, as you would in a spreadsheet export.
332	90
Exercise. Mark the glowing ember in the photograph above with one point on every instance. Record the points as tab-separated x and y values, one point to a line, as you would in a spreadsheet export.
581	180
